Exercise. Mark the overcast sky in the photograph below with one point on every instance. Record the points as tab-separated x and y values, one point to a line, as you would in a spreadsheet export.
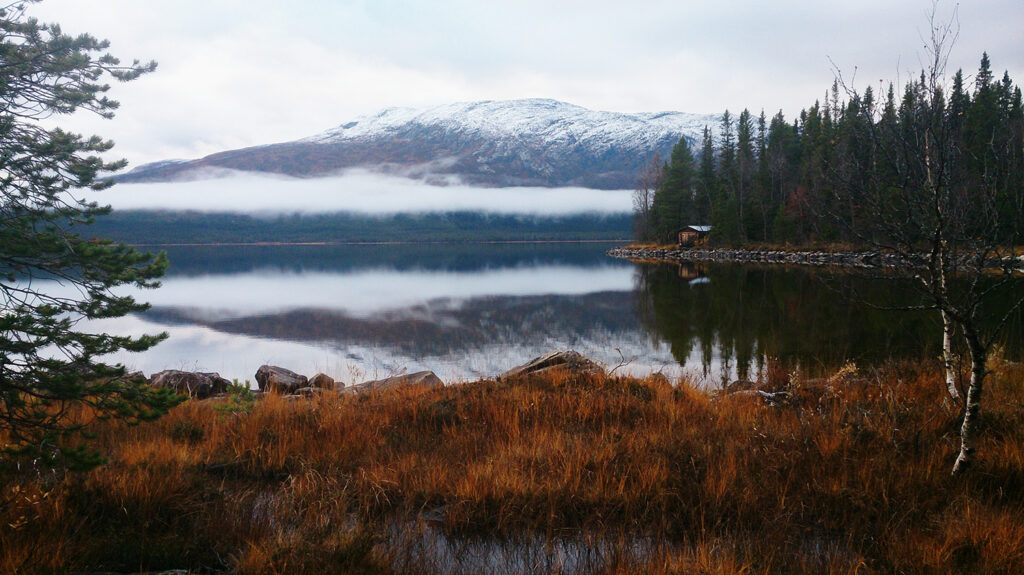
236	73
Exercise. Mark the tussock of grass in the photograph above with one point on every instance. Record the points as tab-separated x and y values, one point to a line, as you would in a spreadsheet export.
617	476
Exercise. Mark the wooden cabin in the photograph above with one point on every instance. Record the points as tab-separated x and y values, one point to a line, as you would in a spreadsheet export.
692	235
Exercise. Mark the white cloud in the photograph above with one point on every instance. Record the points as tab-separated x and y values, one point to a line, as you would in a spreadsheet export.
356	191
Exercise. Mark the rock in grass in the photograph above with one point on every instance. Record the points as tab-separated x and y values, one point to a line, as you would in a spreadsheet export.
279	379
420	378
775	398
567	360
197	385
322	381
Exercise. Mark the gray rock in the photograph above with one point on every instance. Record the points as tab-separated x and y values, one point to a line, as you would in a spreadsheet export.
279	379
322	381
766	397
197	385
567	360
420	378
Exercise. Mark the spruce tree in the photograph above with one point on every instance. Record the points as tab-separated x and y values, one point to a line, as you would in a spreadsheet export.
725	218
760	199
673	202
959	101
53	278
746	169
707	181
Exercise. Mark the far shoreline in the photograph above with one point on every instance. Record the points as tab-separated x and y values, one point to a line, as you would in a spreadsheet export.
799	256
822	257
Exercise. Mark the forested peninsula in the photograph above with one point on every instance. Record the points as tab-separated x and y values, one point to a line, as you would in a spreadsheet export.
849	167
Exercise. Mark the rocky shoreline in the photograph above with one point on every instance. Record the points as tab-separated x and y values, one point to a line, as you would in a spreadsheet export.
817	258
866	260
291	385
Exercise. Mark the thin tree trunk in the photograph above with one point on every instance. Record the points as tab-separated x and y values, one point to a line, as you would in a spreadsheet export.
972	411
947	356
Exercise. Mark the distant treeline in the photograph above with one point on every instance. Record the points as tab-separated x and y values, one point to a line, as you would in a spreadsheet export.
173	227
347	258
775	181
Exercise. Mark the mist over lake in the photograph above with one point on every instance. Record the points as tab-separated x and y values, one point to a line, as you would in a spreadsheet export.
355	191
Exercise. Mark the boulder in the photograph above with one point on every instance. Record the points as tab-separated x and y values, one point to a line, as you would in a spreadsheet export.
322	381
567	360
197	385
307	392
279	379
765	397
419	379
659	378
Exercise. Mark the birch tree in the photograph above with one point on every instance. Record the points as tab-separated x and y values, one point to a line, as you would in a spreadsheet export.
936	203
649	180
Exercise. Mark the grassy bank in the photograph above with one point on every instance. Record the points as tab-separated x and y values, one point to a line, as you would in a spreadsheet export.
564	474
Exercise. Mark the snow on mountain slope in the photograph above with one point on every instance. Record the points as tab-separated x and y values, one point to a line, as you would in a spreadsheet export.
535	142
530	119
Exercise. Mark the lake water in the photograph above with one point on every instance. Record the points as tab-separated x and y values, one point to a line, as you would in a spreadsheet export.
359	312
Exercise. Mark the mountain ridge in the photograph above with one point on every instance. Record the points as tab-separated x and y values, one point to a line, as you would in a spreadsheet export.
489	143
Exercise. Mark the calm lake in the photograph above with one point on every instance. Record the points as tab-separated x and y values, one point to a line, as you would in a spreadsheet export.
466	311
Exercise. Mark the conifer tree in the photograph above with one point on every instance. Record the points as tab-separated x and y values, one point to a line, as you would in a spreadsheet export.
707	181
762	212
673	202
959	101
725	215
746	169
53	279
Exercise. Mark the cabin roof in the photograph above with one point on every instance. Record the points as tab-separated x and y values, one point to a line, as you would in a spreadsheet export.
700	229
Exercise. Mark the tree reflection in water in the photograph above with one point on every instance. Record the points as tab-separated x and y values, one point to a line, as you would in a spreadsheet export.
743	319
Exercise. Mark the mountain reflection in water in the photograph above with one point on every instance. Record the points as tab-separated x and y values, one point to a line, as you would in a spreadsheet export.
358	312
469	311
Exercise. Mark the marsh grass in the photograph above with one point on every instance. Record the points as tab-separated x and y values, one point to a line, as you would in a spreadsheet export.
563	474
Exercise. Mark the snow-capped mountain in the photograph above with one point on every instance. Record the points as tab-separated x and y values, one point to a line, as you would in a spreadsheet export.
535	142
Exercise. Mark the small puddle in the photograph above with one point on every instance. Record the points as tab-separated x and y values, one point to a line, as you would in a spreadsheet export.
422	548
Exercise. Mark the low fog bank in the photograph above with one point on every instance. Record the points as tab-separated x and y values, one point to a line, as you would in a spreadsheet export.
358	192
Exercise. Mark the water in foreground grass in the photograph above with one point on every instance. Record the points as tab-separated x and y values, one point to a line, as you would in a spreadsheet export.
567	474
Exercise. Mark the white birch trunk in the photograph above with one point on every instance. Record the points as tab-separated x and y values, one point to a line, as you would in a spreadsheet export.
947	356
973	409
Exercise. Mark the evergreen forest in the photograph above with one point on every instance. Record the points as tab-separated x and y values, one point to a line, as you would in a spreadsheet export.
806	181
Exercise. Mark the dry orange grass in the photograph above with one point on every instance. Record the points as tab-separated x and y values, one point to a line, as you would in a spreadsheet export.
851	477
